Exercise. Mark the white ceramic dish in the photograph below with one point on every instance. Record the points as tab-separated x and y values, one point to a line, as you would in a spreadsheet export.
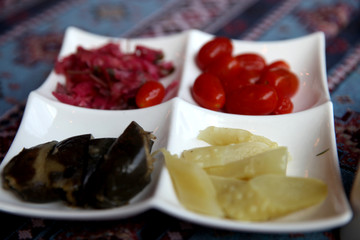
307	132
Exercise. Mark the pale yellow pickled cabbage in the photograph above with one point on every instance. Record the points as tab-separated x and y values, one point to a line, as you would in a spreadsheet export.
273	161
242	176
220	155
224	136
192	185
267	196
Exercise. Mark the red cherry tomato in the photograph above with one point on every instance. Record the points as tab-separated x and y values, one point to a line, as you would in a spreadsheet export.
252	100
284	81
251	61
150	93
208	92
243	78
278	64
213	49
284	106
224	67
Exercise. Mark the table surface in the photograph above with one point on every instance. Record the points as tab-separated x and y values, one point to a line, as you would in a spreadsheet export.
31	34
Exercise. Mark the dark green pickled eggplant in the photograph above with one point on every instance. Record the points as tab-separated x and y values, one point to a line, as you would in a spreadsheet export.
27	177
98	147
125	170
82	171
67	165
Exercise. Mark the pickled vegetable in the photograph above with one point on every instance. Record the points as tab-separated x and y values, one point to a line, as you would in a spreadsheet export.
289	193
193	186
66	165
82	171
220	155
224	136
124	171
273	161
267	196
247	175
27	177
107	78
237	199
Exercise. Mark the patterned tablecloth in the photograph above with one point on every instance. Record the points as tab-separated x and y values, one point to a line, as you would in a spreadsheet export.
31	33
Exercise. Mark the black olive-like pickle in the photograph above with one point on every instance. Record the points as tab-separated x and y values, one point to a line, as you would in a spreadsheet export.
84	171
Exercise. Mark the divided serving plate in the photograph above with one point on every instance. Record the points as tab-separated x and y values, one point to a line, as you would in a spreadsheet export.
308	132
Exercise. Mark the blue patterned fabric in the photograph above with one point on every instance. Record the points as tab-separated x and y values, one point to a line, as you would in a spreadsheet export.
31	34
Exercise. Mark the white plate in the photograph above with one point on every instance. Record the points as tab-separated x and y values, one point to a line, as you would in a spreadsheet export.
307	132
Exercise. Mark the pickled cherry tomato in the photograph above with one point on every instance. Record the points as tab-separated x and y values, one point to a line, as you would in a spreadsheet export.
208	91
252	100
150	93
278	64
251	61
243	78
245	81
211	50
284	81
283	106
224	67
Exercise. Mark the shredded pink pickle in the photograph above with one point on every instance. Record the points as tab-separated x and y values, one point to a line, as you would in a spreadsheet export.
107	78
